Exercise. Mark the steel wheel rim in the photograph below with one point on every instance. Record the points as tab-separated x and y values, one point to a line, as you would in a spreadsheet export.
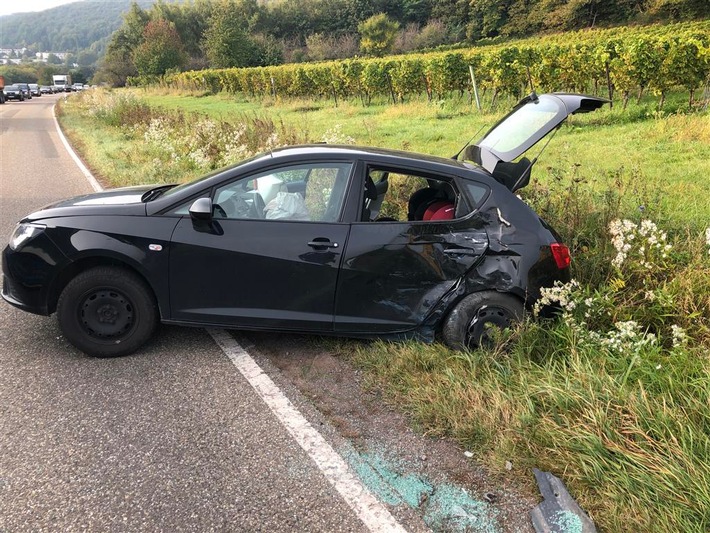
478	333
107	314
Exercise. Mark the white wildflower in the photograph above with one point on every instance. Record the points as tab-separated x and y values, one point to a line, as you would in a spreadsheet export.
199	158
680	337
272	142
559	294
628	337
631	240
336	136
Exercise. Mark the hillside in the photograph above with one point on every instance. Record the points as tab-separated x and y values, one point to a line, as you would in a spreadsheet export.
75	27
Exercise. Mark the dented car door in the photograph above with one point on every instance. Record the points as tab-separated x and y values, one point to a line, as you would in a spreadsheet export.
393	274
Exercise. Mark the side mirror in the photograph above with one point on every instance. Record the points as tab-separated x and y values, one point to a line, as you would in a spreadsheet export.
201	209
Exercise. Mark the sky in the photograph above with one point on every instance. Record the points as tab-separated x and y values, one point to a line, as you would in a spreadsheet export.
23	6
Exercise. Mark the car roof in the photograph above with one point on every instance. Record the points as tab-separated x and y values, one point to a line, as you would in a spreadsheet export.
355	151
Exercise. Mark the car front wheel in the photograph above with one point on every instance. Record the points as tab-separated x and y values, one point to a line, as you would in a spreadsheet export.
107	312
469	324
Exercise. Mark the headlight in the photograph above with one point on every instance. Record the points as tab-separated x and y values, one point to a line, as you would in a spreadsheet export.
23	233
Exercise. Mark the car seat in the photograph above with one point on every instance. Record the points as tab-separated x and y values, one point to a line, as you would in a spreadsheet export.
370	196
440	210
418	202
425	204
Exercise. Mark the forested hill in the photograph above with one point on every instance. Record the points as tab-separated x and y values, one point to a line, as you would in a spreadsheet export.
275	31
72	27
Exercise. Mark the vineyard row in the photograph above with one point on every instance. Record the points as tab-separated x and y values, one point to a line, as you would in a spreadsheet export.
625	62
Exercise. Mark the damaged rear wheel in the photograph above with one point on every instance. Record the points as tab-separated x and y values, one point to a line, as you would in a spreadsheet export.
470	323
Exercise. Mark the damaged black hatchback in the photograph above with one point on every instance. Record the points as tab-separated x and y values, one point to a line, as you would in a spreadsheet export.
350	241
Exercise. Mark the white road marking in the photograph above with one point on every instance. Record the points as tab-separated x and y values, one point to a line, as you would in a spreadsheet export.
367	508
85	171
364	504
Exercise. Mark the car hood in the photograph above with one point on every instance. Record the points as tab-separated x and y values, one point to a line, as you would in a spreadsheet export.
124	200
123	195
530	120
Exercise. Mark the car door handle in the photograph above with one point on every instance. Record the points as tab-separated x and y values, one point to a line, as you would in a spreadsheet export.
322	243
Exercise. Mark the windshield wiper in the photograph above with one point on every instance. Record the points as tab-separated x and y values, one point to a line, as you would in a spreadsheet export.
155	192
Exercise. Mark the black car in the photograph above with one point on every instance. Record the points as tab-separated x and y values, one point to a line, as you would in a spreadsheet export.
340	240
14	92
34	89
26	91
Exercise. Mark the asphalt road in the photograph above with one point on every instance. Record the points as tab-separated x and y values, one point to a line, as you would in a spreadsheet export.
170	439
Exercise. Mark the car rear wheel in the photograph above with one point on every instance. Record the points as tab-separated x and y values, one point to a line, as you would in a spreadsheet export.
107	312
469	325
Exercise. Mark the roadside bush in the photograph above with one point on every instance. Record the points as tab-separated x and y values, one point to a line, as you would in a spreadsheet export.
113	108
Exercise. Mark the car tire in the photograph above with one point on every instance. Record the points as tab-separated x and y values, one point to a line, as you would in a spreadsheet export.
467	326
107	312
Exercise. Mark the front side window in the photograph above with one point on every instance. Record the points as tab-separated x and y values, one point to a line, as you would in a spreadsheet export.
308	192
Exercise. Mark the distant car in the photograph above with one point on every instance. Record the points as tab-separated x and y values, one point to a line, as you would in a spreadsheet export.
78	87
34	89
25	90
14	92
339	240
45	89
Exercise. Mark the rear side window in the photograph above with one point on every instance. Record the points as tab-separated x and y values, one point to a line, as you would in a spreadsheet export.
393	195
476	191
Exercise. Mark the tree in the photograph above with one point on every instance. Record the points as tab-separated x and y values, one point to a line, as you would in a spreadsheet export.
377	34
321	47
45	73
189	19
226	42
486	18
117	64
160	50
86	58
416	11
679	9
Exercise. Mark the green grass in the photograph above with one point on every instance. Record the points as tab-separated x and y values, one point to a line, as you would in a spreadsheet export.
627	429
636	459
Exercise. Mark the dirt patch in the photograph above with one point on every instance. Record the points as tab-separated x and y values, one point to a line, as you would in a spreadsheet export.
383	436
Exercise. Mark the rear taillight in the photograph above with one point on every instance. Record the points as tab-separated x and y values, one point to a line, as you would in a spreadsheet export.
561	254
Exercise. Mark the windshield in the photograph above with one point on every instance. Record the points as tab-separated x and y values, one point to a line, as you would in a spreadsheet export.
183	186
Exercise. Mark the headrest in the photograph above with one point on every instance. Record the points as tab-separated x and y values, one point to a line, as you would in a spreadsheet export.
370	189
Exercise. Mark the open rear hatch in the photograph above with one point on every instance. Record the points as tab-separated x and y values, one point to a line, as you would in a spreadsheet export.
531	119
